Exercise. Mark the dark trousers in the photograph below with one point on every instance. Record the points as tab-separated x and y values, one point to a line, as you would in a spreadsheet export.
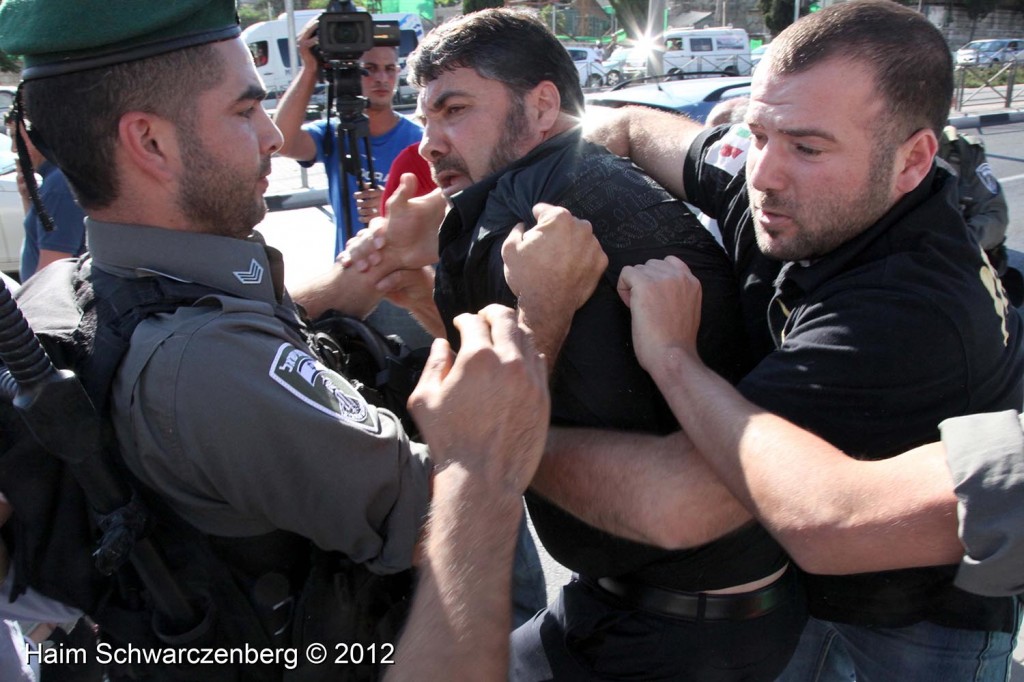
587	634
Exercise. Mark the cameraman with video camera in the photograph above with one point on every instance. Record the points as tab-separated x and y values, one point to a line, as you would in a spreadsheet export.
363	87
320	141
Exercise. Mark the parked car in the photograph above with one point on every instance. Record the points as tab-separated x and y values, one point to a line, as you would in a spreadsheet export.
588	64
992	51
12	216
7	94
621	65
694	97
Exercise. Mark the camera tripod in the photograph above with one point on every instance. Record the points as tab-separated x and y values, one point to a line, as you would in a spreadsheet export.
344	90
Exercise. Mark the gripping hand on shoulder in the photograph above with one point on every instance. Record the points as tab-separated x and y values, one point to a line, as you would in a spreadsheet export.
552	269
664	298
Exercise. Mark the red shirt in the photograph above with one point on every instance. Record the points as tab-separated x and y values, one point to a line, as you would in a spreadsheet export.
407	161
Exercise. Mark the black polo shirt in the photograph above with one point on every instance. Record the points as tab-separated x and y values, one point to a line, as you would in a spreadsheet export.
872	346
598	381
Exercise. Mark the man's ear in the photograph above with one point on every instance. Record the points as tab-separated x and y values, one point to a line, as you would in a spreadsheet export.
547	104
914	159
150	144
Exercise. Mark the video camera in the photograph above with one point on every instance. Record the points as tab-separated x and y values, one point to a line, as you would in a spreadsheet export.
344	33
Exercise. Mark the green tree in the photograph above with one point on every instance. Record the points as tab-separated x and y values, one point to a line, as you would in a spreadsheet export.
977	9
249	15
474	5
778	14
545	16
631	16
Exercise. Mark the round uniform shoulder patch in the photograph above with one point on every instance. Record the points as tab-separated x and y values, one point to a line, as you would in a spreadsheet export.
987	177
307	379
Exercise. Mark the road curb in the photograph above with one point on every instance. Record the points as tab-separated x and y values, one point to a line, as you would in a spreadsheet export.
990	119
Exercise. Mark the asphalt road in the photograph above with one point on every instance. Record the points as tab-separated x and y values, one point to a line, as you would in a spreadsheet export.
1004	147
306	237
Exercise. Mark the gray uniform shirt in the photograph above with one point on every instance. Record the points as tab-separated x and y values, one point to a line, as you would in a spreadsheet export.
986	456
222	409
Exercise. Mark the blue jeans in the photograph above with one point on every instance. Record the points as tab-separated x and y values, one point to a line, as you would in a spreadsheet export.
924	652
529	589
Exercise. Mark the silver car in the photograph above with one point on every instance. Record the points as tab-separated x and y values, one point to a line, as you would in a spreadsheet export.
588	65
987	52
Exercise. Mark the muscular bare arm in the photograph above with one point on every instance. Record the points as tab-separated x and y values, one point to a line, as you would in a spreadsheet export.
669	497
342	289
832	513
458	628
656	141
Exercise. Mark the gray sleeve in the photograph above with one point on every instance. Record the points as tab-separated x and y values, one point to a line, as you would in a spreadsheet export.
985	453
244	432
984	204
32	606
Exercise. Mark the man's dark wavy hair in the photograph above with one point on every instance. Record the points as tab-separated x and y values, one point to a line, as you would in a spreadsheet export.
509	46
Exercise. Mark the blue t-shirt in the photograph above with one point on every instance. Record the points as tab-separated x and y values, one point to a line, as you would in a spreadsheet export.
68	235
385	148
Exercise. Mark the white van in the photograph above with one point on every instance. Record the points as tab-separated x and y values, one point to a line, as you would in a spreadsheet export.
693	50
268	42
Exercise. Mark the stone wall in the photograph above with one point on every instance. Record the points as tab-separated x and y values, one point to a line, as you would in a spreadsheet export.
956	25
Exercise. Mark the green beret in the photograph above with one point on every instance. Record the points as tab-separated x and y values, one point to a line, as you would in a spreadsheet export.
57	37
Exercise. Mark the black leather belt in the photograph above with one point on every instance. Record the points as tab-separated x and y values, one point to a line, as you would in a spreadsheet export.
700	605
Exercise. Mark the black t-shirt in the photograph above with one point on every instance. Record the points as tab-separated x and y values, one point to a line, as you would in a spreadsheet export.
598	381
897	329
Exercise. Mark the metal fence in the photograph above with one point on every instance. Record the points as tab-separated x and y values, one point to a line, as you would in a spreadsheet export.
989	86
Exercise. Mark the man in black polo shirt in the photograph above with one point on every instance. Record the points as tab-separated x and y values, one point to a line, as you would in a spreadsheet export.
500	100
883	318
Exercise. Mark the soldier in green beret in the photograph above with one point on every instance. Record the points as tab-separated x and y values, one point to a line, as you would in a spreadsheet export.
153	111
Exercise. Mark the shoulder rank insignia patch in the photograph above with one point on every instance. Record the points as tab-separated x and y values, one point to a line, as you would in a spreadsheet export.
987	177
307	379
729	152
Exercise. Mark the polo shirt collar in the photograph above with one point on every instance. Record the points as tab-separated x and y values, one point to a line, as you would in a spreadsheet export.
246	268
